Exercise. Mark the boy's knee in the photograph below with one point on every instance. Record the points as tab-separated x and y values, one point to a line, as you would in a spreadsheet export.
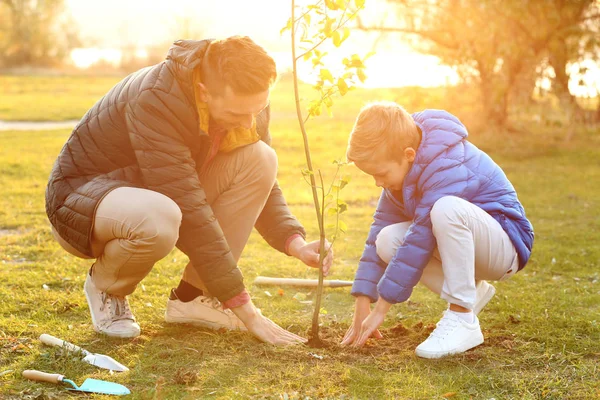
386	243
446	209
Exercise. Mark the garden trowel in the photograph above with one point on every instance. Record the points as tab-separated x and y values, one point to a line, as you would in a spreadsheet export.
89	385
99	360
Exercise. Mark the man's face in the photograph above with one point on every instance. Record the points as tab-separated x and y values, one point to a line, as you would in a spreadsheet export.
230	110
389	174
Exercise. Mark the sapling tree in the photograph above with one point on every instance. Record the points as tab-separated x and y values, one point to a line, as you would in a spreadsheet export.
313	27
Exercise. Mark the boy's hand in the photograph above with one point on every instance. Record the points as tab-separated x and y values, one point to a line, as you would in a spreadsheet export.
361	312
372	322
263	328
308	253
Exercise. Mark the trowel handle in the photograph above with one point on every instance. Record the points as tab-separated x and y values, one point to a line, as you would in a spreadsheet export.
42	376
54	341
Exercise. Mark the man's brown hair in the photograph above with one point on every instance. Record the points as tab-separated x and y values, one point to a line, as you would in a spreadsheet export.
239	63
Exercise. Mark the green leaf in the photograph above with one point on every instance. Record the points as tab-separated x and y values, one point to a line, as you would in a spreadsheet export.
369	55
359	3
343	227
337	38
307	19
307	55
307	172
341	4
325	75
328	28
346	33
331	4
286	27
342	86
355	62
360	72
332	211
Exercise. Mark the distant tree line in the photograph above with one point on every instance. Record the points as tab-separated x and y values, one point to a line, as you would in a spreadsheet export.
502	46
34	33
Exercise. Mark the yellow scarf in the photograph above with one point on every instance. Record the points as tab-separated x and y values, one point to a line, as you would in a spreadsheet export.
236	137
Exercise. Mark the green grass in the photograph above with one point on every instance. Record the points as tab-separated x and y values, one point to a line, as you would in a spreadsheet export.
542	329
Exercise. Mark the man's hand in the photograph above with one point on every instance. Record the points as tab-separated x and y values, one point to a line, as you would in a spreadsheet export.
362	310
263	328
308	253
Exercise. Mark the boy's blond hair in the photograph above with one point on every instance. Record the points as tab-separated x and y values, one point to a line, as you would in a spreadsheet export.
382	129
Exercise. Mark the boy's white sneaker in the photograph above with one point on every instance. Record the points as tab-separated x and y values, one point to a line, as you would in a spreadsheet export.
111	314
452	335
202	311
485	292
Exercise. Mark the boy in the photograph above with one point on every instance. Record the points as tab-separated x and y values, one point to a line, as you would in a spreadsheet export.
447	217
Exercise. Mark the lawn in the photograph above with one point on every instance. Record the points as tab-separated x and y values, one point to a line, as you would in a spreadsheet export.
542	329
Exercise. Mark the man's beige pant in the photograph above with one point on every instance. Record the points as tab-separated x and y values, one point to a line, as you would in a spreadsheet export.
134	228
471	246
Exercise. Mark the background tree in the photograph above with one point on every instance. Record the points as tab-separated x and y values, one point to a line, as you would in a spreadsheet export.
498	44
34	33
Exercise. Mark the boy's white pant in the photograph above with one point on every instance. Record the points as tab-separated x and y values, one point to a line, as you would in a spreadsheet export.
471	246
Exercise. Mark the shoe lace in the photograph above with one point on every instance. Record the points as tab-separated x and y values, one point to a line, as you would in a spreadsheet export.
216	304
118	307
445	326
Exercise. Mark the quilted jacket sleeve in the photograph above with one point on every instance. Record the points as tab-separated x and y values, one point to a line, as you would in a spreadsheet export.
405	269
167	167
371	267
276	224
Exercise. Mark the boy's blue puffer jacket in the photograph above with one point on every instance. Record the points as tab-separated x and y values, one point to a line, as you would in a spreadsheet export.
446	164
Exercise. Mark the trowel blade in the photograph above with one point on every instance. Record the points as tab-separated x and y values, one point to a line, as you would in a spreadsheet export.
97	386
106	362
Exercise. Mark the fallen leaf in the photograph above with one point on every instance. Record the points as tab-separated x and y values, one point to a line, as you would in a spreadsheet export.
280	292
45	287
299	296
268	293
315	356
449	394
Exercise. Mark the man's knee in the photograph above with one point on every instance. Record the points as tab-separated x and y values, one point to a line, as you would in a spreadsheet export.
159	229
446	210
388	241
264	164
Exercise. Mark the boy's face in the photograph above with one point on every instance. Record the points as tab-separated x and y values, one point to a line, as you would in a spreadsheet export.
389	174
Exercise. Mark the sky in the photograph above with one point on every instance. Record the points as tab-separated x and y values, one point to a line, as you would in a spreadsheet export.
110	24
141	23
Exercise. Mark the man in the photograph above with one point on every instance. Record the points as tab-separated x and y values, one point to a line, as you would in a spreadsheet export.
177	154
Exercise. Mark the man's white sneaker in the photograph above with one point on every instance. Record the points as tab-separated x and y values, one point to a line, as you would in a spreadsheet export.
111	314
452	335
485	292
202	311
